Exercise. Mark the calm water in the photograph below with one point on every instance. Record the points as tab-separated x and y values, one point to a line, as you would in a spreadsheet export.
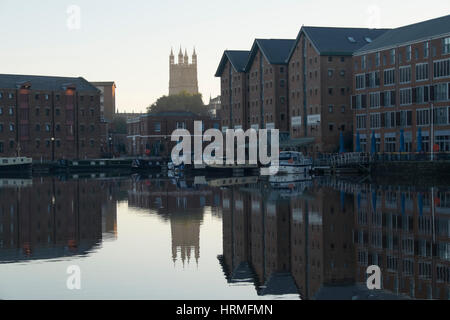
159	238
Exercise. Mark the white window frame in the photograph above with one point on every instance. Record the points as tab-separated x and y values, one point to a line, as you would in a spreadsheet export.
358	80
420	116
438	62
420	71
410	97
375	120
401	74
390	72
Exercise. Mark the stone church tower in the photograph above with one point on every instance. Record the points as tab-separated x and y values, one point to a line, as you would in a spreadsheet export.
183	76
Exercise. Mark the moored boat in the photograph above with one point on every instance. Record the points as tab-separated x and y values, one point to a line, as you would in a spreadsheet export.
147	165
94	164
280	181
293	163
15	165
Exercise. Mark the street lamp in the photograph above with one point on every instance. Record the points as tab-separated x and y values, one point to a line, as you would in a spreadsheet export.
53	148
111	146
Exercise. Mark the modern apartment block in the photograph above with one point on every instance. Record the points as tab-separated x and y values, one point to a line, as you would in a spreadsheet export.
233	111
401	89
50	118
320	86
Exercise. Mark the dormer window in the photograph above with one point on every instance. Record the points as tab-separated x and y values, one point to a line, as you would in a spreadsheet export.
351	39
368	40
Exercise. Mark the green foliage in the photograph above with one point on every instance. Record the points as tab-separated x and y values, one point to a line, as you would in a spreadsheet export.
119	125
181	102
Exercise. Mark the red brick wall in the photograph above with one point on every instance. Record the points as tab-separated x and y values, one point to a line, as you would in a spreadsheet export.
40	115
435	46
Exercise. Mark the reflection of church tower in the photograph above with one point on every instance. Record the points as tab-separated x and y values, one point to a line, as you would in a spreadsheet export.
183	76
185	239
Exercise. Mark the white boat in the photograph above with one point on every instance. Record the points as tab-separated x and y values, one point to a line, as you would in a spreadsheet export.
286	179
291	162
18	164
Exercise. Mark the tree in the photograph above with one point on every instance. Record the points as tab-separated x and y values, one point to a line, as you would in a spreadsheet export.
119	125
181	102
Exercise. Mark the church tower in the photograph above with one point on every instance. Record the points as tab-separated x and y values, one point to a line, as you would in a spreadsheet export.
183	76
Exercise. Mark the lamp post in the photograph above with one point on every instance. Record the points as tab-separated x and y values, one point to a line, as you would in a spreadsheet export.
111	146
432	133
53	148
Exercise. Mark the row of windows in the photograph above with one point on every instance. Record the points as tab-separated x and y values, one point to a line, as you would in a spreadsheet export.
391	144
367	62
407	96
372	79
47	111
38	96
12	144
266	71
47	128
402	119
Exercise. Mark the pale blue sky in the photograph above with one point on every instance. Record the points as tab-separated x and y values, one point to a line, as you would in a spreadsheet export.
129	41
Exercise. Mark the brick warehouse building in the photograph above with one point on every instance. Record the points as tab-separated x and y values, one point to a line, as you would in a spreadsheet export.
233	111
320	86
150	134
401	88
302	87
254	86
49	118
267	84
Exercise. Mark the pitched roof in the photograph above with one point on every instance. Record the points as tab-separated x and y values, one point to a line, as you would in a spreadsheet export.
45	83
103	83
237	58
276	51
407	34
338	41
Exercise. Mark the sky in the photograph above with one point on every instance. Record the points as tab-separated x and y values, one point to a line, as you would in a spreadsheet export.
129	42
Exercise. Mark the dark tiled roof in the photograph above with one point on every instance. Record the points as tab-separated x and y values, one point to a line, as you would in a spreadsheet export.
178	114
103	83
173	114
339	41
237	58
276	51
44	83
414	32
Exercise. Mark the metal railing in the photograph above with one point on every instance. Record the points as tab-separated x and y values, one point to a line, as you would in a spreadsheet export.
356	158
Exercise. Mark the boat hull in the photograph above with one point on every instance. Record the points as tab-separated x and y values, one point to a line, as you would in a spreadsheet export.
294	169
15	166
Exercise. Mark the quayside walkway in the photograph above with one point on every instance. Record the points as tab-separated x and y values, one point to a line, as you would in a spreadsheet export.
357	162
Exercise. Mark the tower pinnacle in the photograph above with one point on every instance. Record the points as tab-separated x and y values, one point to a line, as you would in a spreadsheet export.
172	57
186	57
194	57
180	57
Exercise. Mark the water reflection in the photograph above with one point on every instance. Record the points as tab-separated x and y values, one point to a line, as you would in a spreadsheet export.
309	240
180	202
322	240
52	218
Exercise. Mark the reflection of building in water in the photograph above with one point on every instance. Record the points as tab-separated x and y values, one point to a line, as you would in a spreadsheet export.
183	204
53	218
320	243
406	233
287	245
185	238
